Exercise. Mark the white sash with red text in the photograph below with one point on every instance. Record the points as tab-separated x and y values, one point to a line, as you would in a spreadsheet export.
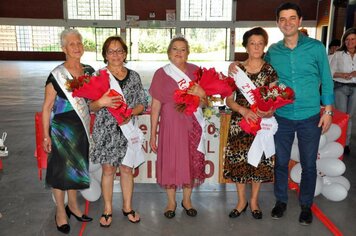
60	73
183	82
134	156
264	141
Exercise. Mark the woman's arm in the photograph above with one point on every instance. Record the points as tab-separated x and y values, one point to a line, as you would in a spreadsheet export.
346	76
155	111
245	112
50	96
336	73
105	101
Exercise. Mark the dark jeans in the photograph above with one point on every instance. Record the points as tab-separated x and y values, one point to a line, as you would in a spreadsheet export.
308	134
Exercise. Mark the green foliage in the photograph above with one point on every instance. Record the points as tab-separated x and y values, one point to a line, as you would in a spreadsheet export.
50	48
89	45
147	46
197	48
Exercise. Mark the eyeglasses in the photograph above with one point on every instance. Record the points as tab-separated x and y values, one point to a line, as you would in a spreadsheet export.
179	49
117	51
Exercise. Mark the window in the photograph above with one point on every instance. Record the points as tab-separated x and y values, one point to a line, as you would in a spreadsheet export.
206	10
207	44
93	40
93	9
274	35
30	38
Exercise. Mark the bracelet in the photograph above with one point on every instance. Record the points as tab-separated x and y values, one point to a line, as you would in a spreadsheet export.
330	113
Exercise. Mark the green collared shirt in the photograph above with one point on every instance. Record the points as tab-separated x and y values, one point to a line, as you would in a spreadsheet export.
304	68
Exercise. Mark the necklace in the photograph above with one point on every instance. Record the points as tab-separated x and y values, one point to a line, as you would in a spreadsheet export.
253	67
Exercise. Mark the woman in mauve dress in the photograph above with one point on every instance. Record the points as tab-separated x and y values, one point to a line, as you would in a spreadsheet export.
179	163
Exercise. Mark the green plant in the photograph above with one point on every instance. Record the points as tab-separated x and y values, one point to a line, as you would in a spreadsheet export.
89	45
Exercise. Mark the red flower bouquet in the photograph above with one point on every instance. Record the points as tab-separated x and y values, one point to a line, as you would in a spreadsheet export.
272	98
212	82
267	98
93	88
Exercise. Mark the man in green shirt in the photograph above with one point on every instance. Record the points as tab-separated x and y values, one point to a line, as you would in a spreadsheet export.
302	64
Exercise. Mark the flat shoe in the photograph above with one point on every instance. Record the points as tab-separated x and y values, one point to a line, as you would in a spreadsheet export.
106	217
235	213
257	214
190	212
169	214
132	212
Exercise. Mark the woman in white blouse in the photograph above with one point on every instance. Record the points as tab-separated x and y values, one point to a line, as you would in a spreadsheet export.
343	67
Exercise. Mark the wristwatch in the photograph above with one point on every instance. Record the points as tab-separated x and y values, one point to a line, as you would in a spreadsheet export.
330	113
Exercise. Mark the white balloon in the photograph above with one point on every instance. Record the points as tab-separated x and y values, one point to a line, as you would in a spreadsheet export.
65	198
322	141
93	192
333	133
338	179
93	166
295	156
330	166
296	173
334	192
331	150
97	174
318	186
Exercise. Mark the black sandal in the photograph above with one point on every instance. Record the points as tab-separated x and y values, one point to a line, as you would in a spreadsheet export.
106	217
132	212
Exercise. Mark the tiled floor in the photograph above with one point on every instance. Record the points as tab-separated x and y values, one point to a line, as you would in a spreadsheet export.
27	208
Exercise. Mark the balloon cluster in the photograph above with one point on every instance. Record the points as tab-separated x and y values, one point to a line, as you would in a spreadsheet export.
330	182
92	193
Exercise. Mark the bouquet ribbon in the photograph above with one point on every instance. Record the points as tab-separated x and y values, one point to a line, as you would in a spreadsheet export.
183	82
263	142
60	73
134	156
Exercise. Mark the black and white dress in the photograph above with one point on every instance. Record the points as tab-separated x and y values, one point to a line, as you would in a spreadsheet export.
110	144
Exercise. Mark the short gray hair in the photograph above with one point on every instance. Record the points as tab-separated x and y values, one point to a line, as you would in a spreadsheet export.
67	32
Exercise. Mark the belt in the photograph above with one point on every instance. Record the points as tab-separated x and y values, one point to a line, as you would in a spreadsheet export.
345	84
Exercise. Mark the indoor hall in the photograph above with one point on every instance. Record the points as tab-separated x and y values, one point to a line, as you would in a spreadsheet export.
30	49
27	207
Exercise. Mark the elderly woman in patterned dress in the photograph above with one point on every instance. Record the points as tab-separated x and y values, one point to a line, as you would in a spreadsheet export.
236	167
66	131
110	143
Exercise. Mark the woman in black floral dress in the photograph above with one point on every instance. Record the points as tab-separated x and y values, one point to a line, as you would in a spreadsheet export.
110	144
239	142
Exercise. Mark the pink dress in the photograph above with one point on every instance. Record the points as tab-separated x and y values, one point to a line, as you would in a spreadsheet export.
179	164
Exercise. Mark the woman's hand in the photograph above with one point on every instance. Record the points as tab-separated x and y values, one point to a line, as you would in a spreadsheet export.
232	68
353	73
110	101
347	76
47	144
153	143
265	114
197	91
248	114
